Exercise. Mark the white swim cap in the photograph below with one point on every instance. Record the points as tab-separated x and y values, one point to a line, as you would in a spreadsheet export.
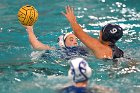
79	70
61	39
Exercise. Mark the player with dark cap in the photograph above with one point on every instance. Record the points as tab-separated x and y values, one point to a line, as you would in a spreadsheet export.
102	48
112	33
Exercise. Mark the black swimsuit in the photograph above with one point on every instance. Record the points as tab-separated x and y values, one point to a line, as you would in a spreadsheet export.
66	52
117	53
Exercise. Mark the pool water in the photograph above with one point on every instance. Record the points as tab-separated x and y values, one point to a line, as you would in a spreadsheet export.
21	71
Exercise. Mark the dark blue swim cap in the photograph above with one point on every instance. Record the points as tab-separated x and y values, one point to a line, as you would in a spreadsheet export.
112	33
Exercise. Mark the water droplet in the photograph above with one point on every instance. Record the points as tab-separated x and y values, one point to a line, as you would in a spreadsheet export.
1	29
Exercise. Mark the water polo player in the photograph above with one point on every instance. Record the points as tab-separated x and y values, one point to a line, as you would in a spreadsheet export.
67	42
80	73
104	47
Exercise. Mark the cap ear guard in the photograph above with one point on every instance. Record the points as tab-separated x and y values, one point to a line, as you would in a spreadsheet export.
61	41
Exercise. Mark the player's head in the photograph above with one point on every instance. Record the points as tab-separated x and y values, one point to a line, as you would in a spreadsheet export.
67	40
79	70
111	33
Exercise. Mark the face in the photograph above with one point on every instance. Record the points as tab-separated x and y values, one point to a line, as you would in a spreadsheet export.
71	41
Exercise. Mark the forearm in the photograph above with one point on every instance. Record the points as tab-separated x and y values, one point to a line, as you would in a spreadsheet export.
83	36
78	31
34	41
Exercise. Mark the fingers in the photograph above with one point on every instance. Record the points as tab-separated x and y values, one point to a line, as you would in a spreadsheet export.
69	14
69	9
72	10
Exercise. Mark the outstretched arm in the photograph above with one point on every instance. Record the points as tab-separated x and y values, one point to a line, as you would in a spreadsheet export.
83	36
33	40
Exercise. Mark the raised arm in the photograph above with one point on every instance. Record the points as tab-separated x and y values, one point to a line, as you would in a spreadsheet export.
78	31
34	41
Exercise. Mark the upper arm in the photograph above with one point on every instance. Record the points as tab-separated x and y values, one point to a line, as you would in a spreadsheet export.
90	42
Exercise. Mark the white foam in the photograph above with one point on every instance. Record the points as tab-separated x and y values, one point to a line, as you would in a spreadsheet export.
36	54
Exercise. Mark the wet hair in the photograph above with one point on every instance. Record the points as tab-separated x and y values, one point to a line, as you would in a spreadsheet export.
112	33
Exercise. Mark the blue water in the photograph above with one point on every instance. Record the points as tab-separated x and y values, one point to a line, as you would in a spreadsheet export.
22	72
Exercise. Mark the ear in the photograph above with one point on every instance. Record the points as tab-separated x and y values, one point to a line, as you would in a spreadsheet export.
100	36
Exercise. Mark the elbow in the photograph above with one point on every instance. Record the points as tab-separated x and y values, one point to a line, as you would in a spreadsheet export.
34	47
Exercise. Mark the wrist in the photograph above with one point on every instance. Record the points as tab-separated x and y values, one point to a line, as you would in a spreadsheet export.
29	29
73	22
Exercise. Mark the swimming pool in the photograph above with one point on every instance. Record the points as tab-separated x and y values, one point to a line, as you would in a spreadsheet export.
20	74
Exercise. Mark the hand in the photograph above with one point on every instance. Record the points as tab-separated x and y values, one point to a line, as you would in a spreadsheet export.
29	28
70	14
